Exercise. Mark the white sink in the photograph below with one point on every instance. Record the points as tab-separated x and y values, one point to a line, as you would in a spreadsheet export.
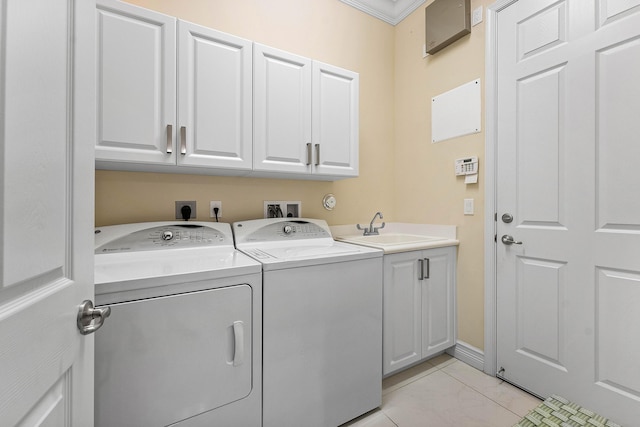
400	237
393	239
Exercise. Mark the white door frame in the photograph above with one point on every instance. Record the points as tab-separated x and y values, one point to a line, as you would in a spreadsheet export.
491	99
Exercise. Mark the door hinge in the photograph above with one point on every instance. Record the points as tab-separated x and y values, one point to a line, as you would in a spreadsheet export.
495	216
495	238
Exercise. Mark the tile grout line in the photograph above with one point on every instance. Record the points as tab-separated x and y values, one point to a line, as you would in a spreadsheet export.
480	392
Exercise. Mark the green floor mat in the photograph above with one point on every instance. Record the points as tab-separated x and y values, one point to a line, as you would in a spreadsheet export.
557	411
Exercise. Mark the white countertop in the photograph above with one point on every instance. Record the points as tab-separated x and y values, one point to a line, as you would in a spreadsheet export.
399	237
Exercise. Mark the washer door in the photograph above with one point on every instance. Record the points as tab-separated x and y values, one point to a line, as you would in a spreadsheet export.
161	360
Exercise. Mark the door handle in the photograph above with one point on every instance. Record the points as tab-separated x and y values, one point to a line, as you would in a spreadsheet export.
508	240
90	319
238	342
421	262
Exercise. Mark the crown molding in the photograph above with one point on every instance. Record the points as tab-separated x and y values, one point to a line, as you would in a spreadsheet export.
390	11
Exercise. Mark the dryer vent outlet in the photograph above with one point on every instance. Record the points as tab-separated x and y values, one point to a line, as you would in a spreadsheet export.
188	206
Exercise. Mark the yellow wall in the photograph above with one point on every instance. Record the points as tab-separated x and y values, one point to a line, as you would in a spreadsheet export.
426	188
401	173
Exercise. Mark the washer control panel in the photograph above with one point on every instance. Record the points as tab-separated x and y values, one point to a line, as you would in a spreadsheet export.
164	237
279	229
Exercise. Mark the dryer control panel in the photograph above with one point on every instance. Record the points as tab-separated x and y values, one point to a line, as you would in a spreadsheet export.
164	236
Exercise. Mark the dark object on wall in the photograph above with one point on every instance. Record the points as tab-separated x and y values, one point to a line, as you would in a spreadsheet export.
446	22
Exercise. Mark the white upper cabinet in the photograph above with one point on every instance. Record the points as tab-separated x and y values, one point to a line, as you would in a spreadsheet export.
335	130
178	97
136	56
282	109
152	119
305	117
215	98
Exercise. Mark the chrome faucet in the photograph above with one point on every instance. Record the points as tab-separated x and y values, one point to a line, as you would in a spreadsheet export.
371	231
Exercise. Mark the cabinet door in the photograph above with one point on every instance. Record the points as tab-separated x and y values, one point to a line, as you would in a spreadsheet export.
282	111
402	311
335	120
438	301
136	84
215	98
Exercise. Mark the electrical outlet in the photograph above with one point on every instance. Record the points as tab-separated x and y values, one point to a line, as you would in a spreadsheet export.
181	203
215	204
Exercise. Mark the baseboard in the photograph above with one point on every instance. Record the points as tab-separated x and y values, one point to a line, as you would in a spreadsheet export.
468	354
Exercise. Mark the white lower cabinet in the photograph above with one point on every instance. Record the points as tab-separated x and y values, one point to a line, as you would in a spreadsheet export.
419	306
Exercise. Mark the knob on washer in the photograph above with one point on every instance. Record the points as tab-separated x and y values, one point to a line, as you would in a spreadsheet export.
167	235
287	229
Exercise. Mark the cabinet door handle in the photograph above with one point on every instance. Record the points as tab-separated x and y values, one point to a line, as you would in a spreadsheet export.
317	154
183	140
420	269
428	268
169	139
309	155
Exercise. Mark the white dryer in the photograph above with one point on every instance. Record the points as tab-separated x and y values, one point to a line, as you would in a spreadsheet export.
322	322
183	343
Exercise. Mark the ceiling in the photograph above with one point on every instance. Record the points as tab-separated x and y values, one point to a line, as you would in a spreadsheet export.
391	11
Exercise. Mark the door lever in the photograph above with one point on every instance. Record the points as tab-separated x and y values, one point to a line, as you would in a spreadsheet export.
508	240
91	318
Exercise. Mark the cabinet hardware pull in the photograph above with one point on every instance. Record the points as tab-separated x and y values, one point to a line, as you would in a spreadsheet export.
309	154
428	268
317	154
169	139
421	269
183	140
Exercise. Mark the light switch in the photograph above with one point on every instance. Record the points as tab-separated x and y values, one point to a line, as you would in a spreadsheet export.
476	16
468	206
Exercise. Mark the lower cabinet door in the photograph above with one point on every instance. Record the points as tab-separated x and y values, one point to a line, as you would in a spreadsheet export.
438	301
402	308
419	306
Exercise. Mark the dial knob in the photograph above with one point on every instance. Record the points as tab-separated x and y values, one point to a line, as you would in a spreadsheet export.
167	235
287	229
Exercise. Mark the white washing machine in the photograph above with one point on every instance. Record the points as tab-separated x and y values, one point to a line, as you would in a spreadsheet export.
183	343
322	322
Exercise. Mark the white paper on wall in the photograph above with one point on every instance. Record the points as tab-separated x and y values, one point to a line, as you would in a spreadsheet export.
456	112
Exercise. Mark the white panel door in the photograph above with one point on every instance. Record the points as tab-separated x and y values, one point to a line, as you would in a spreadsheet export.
47	127
282	111
568	289
136	84
335	120
215	95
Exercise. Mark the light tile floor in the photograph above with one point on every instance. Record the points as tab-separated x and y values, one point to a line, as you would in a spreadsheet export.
445	392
